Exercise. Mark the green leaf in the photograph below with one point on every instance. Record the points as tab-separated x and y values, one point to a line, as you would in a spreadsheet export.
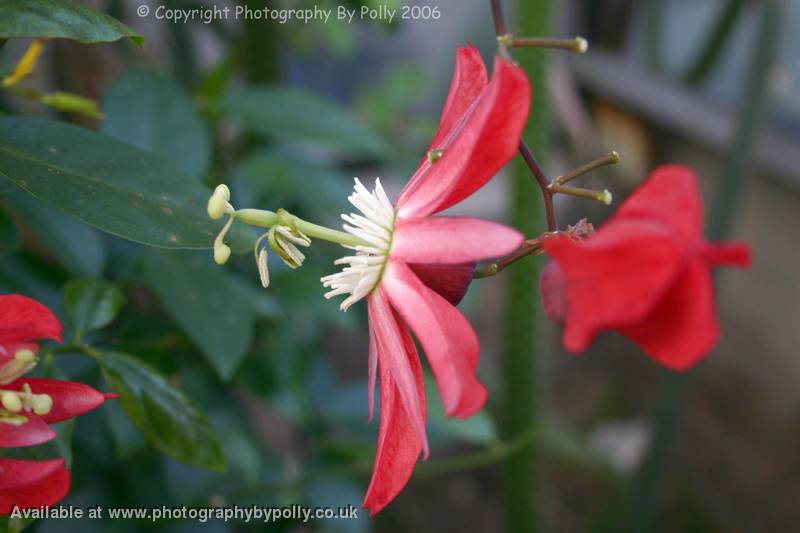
126	438
78	247
152	112
203	301
10	239
167	418
291	113
6	185
65	19
91	304
273	178
113	186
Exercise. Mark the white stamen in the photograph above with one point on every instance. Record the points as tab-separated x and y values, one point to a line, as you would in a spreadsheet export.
263	268
374	226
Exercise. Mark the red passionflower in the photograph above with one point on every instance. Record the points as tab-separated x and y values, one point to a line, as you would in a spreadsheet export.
415	267
646	274
28	405
30	484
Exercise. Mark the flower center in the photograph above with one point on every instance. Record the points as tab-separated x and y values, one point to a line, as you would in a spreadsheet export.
25	400
375	225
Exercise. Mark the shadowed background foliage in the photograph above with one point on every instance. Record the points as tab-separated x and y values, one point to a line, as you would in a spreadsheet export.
233	394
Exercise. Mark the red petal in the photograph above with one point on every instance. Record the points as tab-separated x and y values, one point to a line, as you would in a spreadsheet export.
446	336
469	79
451	240
34	431
372	365
23	319
29	484
484	139
450	281
553	291
398	444
70	398
615	278
671	196
730	253
683	328
393	356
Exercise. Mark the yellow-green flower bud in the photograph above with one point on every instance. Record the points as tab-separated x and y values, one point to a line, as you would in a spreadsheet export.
224	191
11	401
222	252
216	206
42	404
25	357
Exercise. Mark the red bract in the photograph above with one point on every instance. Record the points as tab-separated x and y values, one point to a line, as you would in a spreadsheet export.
65	400
22	320
27	405
70	398
17	431
417	266
646	274
30	484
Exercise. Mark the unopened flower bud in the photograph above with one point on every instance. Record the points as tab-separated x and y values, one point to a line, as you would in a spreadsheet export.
216	207
42	404
224	191
11	401
25	356
218	202
222	252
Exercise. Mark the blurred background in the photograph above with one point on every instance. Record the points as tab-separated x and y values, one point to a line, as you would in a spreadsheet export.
618	443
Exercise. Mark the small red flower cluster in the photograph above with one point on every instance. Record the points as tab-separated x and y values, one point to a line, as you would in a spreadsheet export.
28	405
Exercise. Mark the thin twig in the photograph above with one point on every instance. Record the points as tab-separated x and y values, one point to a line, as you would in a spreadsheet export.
544	184
499	19
524	150
529	247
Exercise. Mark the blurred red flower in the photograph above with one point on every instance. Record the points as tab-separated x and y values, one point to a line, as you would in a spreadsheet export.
646	273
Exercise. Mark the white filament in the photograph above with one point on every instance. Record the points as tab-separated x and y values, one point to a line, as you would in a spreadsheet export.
374	225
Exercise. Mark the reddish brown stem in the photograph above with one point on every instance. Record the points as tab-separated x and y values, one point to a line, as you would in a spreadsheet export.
544	184
529	247
524	150
499	19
